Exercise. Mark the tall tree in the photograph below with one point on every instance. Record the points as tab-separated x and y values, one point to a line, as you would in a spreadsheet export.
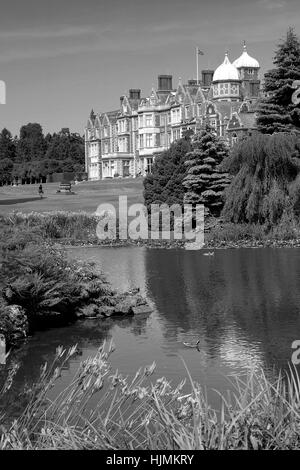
204	183
277	112
65	152
7	156
31	145
164	184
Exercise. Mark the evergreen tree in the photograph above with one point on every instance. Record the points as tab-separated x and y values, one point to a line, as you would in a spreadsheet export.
204	183
164	184
276	112
264	169
7	156
31	144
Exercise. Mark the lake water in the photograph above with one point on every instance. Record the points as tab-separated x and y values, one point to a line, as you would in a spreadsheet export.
243	305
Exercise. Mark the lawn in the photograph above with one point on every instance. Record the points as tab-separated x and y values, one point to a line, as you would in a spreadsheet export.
87	198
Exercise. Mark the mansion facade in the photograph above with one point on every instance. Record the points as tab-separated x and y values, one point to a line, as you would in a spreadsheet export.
126	141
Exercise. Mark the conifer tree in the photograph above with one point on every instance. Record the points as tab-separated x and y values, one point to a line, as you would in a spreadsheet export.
204	183
7	156
277	112
164	184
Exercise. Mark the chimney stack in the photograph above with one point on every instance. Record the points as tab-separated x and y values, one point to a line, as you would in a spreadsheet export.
134	94
165	83
207	76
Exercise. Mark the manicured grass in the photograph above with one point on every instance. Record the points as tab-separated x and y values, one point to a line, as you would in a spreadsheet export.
87	198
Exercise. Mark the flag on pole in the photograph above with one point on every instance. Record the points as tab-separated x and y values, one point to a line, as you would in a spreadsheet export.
199	52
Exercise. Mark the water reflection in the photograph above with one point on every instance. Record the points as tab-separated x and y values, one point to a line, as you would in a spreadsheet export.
243	305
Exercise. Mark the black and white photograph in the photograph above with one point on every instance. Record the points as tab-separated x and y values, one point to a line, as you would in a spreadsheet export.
149	228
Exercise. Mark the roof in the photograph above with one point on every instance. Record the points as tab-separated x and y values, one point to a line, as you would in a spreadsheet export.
226	71
245	60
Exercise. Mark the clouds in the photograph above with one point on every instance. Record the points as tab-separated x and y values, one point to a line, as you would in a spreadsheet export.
136	26
273	4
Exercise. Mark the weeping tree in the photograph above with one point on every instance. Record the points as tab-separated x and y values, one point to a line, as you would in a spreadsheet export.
265	184
277	112
204	182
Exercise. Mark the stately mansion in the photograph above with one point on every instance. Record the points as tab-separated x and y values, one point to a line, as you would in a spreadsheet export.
126	141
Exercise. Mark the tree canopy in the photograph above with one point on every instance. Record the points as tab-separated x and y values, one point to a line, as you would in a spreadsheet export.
264	170
204	183
35	156
164	184
277	112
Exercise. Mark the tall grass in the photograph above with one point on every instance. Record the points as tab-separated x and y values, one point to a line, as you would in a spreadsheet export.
138	414
79	226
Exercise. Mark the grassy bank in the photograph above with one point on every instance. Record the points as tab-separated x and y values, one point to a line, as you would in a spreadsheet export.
137	414
79	228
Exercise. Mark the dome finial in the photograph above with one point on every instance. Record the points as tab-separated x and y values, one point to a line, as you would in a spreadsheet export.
244	46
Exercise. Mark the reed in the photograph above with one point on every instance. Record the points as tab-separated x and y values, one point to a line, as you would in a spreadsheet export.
101	409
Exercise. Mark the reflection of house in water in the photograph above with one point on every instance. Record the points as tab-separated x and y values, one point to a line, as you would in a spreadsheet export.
243	300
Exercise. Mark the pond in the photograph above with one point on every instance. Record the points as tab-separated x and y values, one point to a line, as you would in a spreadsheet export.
242	305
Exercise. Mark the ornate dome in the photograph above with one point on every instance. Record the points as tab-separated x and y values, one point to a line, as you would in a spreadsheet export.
226	71
245	60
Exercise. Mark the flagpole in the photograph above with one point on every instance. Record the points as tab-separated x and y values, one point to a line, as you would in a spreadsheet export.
197	64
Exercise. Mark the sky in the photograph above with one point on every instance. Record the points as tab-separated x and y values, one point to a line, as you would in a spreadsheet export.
61	58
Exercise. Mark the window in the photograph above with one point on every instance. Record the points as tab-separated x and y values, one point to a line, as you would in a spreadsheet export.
176	134
213	123
141	141
186	112
141	121
148	140
105	131
105	147
149	165
122	144
234	138
148	120
176	115
162	120
251	71
234	89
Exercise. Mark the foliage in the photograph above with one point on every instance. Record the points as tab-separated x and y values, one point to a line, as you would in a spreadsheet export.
7	156
40	278
260	413
204	182
33	156
164	184
264	166
276	112
65	152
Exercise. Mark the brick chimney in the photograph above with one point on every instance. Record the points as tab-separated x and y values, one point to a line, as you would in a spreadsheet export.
134	94
207	76
165	83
